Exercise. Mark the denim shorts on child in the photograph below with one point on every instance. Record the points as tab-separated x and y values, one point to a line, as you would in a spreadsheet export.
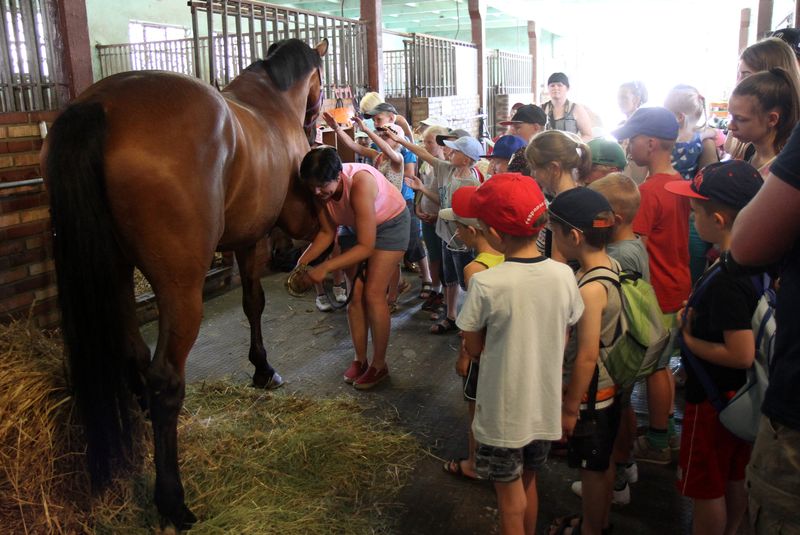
711	456
591	444
391	235
453	263
505	465
471	381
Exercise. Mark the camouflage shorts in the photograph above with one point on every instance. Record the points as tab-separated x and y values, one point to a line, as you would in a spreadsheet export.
506	464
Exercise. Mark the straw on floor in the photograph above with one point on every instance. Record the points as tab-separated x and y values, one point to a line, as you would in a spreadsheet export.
252	462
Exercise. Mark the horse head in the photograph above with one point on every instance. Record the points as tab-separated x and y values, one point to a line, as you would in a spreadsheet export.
315	96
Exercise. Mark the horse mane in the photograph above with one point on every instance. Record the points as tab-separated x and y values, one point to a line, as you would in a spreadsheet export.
287	62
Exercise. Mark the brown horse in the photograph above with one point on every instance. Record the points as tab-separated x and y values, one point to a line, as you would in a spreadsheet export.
158	170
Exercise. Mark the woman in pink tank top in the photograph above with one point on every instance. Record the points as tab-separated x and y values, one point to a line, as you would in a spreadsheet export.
361	198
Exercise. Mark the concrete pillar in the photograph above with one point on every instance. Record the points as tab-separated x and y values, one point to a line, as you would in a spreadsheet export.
797	13
764	23
75	51
371	14
533	50
477	16
744	29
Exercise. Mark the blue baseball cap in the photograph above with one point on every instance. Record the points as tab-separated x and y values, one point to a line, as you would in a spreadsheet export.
652	122
506	146
467	145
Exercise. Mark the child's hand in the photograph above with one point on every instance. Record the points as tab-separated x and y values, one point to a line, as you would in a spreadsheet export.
414	183
360	122
394	137
329	120
568	421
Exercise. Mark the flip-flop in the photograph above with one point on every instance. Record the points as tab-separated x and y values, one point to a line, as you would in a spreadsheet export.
453	467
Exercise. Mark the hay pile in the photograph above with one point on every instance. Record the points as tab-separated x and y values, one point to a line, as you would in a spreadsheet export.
252	462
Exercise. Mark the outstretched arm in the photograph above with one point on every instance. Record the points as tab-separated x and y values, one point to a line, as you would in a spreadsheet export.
395	157
347	140
421	153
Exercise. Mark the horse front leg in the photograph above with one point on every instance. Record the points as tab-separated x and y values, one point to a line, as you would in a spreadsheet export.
250	260
179	322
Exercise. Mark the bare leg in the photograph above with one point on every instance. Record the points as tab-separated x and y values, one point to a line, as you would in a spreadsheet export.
436	280
660	393
356	315
394	285
596	502
380	270
709	517
468	465
532	501
735	506
425	270
451	299
511	505
625	436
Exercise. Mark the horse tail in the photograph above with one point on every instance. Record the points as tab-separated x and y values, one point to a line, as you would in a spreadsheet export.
88	270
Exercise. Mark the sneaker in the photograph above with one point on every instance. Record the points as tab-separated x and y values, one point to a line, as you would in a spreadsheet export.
620	497
632	472
323	304
355	371
645	452
340	294
371	377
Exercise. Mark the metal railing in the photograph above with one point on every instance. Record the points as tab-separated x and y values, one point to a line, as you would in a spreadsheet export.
509	73
242	31
30	71
431	65
395	83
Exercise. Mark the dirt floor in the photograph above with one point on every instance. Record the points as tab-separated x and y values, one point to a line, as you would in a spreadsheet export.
311	349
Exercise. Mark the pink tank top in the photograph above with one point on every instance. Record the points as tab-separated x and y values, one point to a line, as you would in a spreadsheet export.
389	202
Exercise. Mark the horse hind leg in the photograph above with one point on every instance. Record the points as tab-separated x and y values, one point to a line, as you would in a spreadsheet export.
253	301
180	313
136	350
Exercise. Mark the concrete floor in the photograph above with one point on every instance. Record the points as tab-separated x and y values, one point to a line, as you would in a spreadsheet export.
311	349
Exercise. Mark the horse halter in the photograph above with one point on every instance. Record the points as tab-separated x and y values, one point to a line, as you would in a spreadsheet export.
313	111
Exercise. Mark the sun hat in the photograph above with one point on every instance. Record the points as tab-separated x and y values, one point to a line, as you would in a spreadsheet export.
435	120
454	134
383	107
369	101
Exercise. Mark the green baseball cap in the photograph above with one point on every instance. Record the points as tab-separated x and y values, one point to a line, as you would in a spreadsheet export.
606	152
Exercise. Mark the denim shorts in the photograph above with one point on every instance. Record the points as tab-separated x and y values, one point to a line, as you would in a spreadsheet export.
453	264
505	465
432	242
391	235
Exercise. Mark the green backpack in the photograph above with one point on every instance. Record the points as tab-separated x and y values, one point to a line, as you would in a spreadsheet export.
641	336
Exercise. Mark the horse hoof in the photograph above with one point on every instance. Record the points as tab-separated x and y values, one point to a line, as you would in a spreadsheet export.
268	383
181	520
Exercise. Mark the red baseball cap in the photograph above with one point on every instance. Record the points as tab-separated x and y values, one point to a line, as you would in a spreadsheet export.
509	202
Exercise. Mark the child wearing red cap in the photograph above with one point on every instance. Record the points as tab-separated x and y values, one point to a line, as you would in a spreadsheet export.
717	331
511	319
582	222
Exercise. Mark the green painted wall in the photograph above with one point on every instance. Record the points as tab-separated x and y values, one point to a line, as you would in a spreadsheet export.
108	20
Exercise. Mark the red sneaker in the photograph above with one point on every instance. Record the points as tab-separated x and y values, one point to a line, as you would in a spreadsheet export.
371	377
356	370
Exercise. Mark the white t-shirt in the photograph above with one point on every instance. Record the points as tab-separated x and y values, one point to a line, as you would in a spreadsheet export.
526	307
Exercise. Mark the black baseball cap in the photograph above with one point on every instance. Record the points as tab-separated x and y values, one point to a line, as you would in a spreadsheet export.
790	36
454	134
582	209
529	113
733	183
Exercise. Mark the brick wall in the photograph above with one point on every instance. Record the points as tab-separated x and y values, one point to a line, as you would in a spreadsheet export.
459	110
502	107
27	278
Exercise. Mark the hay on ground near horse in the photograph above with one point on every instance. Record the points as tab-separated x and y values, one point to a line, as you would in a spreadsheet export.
253	462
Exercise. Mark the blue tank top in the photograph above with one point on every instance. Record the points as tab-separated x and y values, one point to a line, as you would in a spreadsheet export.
686	156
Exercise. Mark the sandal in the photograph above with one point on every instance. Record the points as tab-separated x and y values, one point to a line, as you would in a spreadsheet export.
426	291
559	526
444	326
453	467
433	302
